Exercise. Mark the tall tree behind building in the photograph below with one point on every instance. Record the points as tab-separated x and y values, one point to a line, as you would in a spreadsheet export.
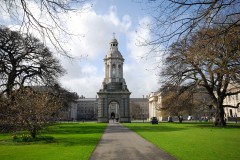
24	60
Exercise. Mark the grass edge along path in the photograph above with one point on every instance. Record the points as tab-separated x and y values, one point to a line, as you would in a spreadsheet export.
71	141
192	141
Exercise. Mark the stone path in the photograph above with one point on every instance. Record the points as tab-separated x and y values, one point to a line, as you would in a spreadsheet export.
120	143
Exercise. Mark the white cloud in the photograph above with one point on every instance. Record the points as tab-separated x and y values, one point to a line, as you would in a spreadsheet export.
87	86
140	81
113	15
85	77
139	51
141	73
94	32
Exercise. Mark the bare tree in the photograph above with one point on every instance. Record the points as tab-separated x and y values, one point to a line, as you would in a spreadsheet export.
24	60
29	110
64	95
212	63
136	110
176	102
184	101
42	17
175	19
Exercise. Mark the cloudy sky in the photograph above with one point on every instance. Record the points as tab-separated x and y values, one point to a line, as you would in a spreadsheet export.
127	19
96	25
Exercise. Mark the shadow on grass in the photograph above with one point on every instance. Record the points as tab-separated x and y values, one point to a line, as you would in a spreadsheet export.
71	134
65	141
83	141
175	126
211	125
20	141
74	128
68	134
46	139
155	128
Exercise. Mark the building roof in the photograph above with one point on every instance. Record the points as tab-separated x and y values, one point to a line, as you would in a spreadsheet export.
139	99
86	99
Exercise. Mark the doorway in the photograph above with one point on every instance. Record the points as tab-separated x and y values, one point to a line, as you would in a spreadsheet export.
114	114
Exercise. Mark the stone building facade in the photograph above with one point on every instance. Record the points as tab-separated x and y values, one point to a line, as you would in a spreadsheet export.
139	108
154	101
87	109
146	107
114	91
84	109
233	100
202	110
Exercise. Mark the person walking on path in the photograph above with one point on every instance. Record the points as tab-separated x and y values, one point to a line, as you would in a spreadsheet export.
120	143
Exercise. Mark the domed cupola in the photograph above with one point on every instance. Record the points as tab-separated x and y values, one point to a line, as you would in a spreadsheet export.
113	52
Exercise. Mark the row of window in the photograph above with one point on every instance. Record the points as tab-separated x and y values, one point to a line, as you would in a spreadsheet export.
234	97
85	111
86	104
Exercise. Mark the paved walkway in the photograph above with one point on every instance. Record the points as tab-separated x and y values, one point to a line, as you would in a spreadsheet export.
120	143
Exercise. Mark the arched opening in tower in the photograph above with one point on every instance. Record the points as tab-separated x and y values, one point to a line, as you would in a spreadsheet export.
114	112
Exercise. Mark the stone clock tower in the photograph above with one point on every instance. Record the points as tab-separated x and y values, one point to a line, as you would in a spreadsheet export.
113	97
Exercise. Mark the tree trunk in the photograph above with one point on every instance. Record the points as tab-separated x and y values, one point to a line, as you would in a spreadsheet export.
33	133
219	117
10	81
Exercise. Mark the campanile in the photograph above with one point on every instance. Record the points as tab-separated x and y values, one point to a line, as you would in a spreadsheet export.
113	97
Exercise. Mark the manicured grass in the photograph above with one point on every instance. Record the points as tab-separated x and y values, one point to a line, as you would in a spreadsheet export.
193	141
65	141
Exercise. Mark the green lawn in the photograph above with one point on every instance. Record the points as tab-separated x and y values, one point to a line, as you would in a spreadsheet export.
66	141
193	141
